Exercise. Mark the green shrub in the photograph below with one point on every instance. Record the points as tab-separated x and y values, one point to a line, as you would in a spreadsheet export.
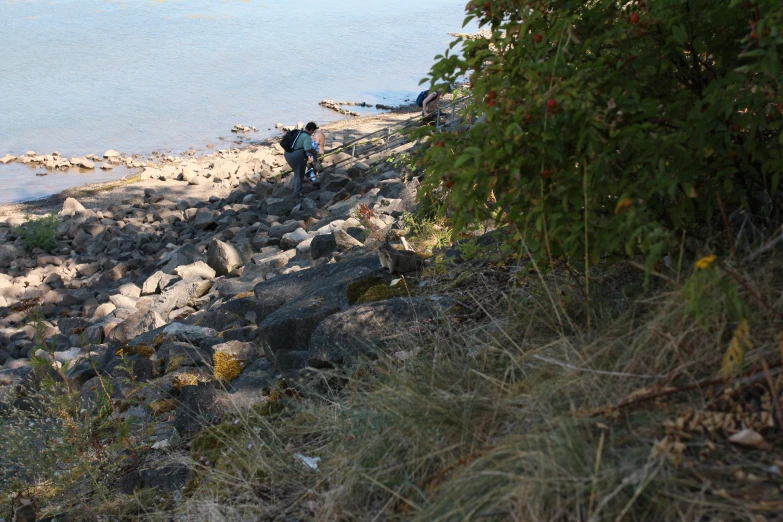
39	232
613	127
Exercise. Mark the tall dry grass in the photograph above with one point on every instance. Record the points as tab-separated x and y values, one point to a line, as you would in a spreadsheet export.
512	409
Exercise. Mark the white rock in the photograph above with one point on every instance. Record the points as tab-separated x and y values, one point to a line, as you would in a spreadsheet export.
106	166
83	163
104	310
121	301
111	154
70	207
7	159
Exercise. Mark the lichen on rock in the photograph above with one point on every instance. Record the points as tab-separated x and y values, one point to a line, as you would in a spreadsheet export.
143	351
227	367
356	290
383	292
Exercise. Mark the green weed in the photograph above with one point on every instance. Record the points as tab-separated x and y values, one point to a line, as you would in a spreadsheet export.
39	232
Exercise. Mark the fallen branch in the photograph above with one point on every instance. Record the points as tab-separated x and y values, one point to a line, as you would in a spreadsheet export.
748	379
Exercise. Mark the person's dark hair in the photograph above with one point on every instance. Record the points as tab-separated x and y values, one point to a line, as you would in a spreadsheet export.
311	126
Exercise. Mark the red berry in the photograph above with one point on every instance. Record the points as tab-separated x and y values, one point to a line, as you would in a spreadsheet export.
528	117
754	35
537	38
779	106
546	173
491	103
492	95
488	6
735	127
439	144
551	104
634	18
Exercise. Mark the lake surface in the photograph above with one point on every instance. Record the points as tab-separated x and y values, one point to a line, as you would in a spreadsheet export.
84	76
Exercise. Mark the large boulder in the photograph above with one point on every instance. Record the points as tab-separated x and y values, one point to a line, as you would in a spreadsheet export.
223	258
197	269
175	355
290	307
345	241
278	206
200	405
364	330
292	239
140	322
10	253
180	295
322	245
279	230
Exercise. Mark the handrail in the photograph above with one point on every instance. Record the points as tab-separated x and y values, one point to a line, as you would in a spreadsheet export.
406	124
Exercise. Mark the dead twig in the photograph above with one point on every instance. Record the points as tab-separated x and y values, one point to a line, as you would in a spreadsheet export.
752	292
726	224
748	379
766	248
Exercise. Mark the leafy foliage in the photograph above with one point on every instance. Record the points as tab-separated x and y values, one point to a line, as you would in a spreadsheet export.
613	127
39	232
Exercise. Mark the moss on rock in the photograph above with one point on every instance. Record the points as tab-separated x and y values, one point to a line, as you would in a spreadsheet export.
356	290
383	292
164	405
143	351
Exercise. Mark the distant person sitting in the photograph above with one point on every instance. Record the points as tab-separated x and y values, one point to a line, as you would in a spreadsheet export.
302	150
319	141
428	101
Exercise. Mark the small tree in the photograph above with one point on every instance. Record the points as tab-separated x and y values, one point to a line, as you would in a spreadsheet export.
613	126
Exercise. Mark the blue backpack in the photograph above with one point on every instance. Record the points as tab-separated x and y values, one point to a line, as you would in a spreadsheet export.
420	97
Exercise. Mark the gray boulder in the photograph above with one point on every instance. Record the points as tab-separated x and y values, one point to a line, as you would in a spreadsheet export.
322	245
278	206
10	253
223	258
278	230
290	307
292	239
197	269
345	241
175	355
363	331
137	324
182	294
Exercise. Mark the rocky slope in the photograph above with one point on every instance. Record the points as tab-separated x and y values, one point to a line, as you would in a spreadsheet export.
196	308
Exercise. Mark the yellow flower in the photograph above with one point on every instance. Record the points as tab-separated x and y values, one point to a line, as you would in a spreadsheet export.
623	204
705	262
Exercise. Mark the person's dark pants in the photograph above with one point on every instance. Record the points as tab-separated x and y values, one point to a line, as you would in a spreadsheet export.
297	160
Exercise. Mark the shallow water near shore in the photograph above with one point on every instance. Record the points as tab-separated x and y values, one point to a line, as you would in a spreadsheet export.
83	76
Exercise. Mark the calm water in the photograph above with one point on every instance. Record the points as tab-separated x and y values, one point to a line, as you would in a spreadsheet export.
84	76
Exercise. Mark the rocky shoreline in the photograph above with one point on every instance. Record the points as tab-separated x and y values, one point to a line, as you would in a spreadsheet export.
200	305
155	170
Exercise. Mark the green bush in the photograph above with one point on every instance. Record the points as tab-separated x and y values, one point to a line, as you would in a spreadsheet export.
39	232
613	127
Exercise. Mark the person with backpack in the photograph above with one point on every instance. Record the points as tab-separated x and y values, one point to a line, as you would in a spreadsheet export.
298	146
428	101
